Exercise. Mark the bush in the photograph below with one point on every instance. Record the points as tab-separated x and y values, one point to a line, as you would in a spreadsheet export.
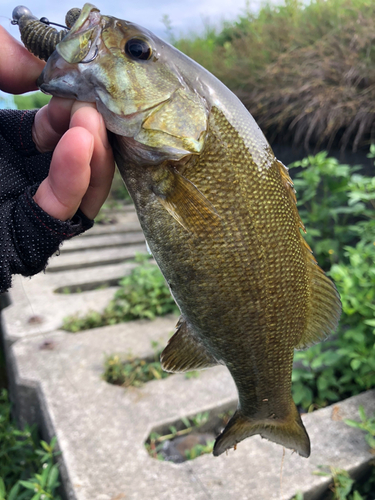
336	203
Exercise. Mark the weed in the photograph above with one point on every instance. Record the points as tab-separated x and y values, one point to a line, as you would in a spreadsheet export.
342	482
192	374
133	372
367	425
345	365
330	204
155	442
310	76
199	449
343	487
27	469
143	295
336	205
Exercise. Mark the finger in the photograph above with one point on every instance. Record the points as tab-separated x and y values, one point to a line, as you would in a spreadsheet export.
51	122
102	162
19	69
60	194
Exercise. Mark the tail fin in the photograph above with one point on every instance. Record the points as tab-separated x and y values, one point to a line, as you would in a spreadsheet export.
289	432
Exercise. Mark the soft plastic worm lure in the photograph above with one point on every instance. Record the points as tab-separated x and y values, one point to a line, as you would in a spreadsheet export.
37	35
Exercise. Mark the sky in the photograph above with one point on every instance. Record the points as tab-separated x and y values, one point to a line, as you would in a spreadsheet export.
185	15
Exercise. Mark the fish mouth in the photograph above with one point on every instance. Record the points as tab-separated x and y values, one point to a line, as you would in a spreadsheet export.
82	43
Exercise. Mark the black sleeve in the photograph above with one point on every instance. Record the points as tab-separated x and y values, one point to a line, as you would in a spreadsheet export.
28	235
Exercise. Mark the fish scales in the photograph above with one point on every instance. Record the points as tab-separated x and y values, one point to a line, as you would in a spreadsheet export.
250	267
218	211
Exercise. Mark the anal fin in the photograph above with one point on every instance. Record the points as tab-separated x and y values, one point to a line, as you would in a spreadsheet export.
184	352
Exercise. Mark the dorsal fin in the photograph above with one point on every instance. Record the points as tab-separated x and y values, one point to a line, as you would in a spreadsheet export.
324	301
288	184
184	352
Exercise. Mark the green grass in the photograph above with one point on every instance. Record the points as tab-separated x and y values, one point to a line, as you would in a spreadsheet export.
32	100
144	294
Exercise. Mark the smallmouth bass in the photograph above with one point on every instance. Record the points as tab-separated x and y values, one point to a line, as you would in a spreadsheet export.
218	211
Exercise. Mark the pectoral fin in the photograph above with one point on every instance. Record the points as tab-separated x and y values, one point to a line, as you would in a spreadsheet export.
184	352
183	200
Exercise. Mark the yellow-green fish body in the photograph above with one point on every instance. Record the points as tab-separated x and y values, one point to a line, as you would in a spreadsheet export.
218	212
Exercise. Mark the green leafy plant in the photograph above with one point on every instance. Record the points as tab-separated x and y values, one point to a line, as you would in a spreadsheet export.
343	487
27	468
144	294
366	424
199	449
337	204
323	194
342	482
344	366
155	441
132	372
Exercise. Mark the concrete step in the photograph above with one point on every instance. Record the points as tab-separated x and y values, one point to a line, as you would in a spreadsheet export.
103	241
36	310
94	257
101	429
81	280
55	381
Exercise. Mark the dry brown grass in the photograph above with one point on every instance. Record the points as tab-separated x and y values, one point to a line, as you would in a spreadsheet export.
321	94
306	74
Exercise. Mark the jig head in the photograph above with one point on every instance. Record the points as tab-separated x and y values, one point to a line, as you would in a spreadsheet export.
37	35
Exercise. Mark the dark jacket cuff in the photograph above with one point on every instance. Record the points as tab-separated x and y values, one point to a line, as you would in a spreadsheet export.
37	235
17	131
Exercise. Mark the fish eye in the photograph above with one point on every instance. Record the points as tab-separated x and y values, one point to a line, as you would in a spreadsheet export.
138	49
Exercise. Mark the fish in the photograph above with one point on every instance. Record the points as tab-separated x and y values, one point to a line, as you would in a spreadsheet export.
218	212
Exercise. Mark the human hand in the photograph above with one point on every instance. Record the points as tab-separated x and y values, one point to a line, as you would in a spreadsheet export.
19	69
82	164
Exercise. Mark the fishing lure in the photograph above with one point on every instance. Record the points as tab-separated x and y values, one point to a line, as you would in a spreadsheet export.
37	35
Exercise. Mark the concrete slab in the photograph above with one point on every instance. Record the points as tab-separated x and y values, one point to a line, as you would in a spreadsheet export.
86	266
56	382
90	258
103	241
35	309
89	279
101	428
131	223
